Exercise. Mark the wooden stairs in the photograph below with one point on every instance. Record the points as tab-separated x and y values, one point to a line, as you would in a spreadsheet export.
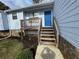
47	36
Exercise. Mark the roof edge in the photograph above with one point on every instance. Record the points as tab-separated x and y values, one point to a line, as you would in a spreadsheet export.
30	6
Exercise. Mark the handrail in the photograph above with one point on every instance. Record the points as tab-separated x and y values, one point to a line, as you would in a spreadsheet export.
27	23
35	20
56	31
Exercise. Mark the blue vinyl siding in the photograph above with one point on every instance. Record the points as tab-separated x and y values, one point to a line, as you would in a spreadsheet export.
67	15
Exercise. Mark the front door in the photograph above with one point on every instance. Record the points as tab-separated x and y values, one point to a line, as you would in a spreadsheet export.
47	15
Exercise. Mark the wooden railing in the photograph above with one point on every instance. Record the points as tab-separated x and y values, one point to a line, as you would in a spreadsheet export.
39	30
56	30
31	24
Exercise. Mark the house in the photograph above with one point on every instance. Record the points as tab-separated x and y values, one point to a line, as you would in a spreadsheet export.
66	13
41	10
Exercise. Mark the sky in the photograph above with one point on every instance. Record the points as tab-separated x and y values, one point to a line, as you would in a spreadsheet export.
16	3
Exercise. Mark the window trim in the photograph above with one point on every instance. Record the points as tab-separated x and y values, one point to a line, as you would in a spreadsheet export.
14	16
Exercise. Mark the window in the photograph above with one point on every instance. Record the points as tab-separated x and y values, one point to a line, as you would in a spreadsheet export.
14	15
36	14
28	15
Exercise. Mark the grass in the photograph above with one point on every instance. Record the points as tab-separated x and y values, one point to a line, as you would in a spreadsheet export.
25	54
10	49
15	49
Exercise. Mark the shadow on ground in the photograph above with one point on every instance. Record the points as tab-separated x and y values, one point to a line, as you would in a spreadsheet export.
47	54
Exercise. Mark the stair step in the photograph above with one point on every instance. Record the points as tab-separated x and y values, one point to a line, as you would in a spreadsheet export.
47	32
48	35
47	29
47	43
47	38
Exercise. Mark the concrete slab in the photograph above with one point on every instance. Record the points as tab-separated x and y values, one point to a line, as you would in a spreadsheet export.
48	52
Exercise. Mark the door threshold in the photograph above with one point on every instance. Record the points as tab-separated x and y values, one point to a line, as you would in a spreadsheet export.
47	26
